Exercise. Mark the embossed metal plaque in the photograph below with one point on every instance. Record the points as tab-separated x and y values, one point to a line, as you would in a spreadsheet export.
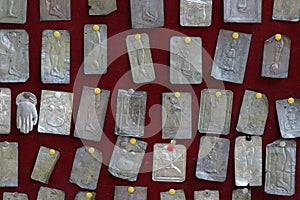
241	194
212	159
286	10
14	196
280	167
95	48
276	57
127	158
91	114
102	7
215	111
14	56
8	164
206	195
131	111
5	110
147	13
179	195
50	194
121	193
13	11
55	58
140	58
53	10
253	113
55	112
85	196
242	11
231	56
186	60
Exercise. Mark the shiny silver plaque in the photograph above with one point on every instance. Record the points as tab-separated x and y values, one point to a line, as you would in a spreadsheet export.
44	164
213	159
147	13
178	195
131	111
127	158
241	194
253	113
186	60
95	48
140	58
231	56
248	161
85	196
8	164
55	58
286	10
91	113
86	168
14	196
5	110
55	112
206	195
130	193
280	167
50	194
53	10
14	56
13	11
215	111
102	7
276	57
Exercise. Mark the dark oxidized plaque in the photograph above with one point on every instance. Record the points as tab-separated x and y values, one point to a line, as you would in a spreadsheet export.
241	194
46	193
53	10
286	10
85	196
13	11
130	193
102	7
8	164
206	195
14	196
173	195
5	110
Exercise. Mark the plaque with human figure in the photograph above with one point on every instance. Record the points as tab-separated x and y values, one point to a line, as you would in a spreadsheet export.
13	11
284	10
50	194
241	194
173	195
14	196
206	195
5	110
130	193
8	164
85	196
102	7
54	10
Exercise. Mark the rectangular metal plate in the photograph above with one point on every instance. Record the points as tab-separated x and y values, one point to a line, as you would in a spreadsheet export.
140	58
50	194
14	196
55	112
8	164
83	196
102	7
195	13
53	10
86	168
186	60
44	165
5	110
131	111
280	167
179	195
55	57
215	112
147	13
13	11
177	116
206	195
253	114
248	161
276	58
121	193
127	158
241	194
212	159
231	57
95	48
286	10
91	114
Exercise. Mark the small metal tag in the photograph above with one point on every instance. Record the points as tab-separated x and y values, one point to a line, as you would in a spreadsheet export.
286	10
44	164
215	111
85	196
280	167
55	58
55	112
91	113
54	10
231	56
206	195
50	194
241	194
102	7
147	13
131	111
276	57
213	159
9	164
140	58
127	158
5	110
186	60
130	193
13	11
253	113
86	168
178	195
14	196
95	48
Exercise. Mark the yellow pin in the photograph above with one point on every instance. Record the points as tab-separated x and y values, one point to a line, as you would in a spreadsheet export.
218	94
130	189
258	95
96	27
291	100
97	90
137	36
278	37
235	35
132	141
56	34
51	151
187	40
177	94
91	150
172	191
89	195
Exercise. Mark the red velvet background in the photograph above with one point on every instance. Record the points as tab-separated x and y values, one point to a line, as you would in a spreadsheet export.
118	22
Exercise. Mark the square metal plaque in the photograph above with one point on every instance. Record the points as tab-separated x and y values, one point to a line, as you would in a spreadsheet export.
85	196
8	164
5	110
179	195
286	10
206	195
102	7
13	11
241	194
46	193
54	10
124	193
14	196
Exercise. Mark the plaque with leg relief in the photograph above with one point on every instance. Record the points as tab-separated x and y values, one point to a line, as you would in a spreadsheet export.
173	195
54	10
241	194
130	193
85	196
206	195
50	194
286	10
5	110
14	196
13	11
8	164
102	7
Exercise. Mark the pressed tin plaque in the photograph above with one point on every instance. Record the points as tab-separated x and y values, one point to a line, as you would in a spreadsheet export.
206	195
13	11
8	164
54	10
14	196
102	7
286	10
5	110
46	193
130	193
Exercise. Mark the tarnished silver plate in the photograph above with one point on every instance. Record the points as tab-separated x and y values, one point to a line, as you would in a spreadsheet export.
91	113
86	167
242	11
248	161
186	60
130	193
212	159
8	164
55	112
13	11
195	13
206	195
140	58
14	56
131	111
253	113
5	110
276	57
215	111
53	10
147	13
55	58
231	56
241	194
173	195
127	158
85	196
102	7
280	167
44	164
286	10
14	196
95	48
50	194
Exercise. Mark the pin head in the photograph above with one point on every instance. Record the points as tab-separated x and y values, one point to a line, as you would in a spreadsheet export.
278	37
218	94
170	148
137	36
132	141
97	90
258	95
187	40
172	192
177	94
130	189
56	34
235	35
130	91
282	144
51	151
96	27
245	190
291	100
89	195
91	150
